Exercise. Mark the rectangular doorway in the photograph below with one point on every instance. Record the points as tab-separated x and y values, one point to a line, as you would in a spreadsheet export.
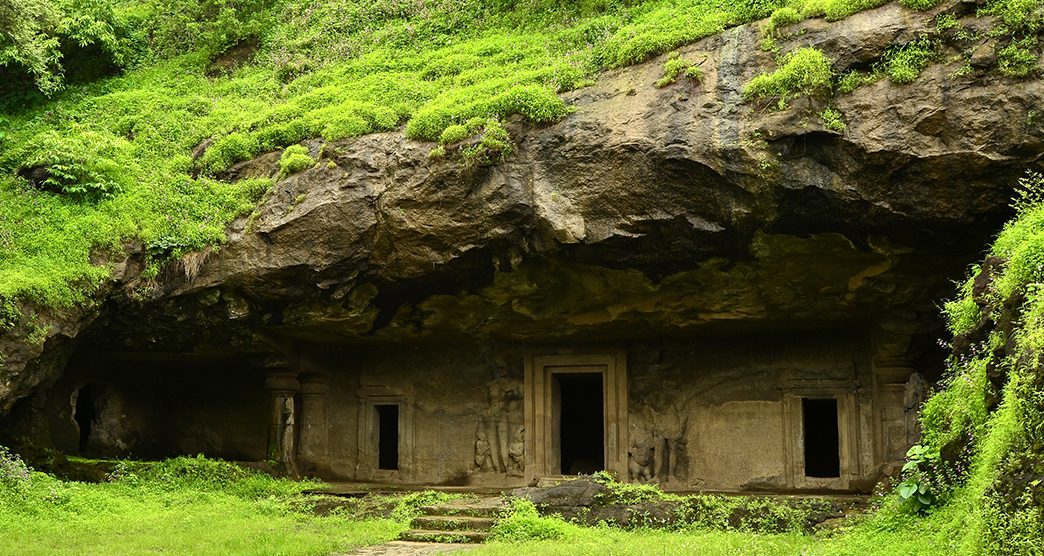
822	441
387	437
579	420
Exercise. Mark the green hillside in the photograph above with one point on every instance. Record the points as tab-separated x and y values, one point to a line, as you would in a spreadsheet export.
105	102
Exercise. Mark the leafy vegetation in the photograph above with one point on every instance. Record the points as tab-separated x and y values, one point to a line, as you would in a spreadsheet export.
295	159
203	84
183	505
803	72
902	64
676	66
833	120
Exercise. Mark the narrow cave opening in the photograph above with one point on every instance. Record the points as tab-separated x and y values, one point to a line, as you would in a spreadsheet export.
85	414
581	419
822	444
387	437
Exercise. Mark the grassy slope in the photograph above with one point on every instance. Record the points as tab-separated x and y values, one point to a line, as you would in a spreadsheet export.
325	69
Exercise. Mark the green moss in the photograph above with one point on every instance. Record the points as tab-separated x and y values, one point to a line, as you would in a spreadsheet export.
675	66
834	10
804	72
902	64
833	120
854	79
782	17
454	134
295	159
920	4
1018	59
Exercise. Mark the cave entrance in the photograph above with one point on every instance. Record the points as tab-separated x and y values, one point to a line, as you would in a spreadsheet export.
387	437
85	414
580	421
821	438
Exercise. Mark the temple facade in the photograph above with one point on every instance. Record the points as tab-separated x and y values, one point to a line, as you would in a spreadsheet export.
807	410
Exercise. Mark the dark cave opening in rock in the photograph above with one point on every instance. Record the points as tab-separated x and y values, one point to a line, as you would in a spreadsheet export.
387	437
85	413
822	445
581	422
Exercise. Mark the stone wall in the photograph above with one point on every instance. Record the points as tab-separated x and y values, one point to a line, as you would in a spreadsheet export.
705	413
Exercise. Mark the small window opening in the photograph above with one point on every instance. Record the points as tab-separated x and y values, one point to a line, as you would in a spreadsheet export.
85	414
387	437
822	444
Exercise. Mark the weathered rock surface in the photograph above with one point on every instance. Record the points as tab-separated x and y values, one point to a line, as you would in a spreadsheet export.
647	212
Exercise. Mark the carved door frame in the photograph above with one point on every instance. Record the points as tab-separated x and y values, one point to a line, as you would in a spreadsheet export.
847	430
541	448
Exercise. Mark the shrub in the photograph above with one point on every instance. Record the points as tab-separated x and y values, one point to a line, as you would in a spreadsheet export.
675	66
494	145
904	63
834	10
782	17
295	159
833	120
1018	59
522	523
409	506
226	151
805	71
15	476
920	5
854	79
454	134
85	165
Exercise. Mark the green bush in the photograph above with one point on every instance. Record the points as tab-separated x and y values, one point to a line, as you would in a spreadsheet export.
522	523
15	476
833	120
1019	58
920	4
904	63
804	72
782	17
675	66
84	165
409	506
854	79
294	159
834	10
226	151
454	134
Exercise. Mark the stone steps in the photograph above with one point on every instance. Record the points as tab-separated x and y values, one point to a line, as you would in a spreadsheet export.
462	537
453	523
459	521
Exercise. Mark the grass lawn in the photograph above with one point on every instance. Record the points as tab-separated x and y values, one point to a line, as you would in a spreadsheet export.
173	512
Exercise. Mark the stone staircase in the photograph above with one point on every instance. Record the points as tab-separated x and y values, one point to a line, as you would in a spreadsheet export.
459	521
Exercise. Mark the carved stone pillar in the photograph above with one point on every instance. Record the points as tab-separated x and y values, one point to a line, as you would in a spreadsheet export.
312	451
282	384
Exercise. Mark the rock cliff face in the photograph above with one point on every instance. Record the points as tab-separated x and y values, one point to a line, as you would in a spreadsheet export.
647	212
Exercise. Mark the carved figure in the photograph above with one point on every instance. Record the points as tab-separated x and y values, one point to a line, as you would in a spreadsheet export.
505	402
483	458
516	453
640	464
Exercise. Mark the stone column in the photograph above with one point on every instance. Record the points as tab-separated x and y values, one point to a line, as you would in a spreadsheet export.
282	384
312	451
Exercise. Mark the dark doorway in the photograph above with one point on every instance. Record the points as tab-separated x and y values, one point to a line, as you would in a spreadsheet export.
388	437
85	413
822	445
581	418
